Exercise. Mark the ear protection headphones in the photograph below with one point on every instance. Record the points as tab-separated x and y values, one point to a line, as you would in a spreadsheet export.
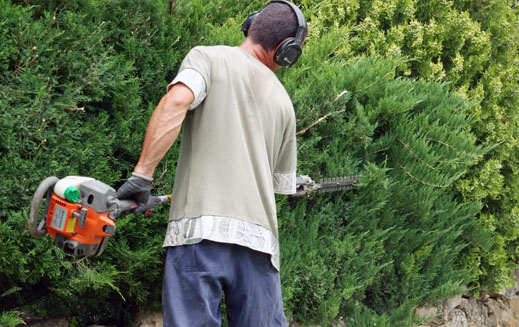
289	50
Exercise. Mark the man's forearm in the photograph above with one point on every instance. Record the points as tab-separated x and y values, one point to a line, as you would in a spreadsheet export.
163	128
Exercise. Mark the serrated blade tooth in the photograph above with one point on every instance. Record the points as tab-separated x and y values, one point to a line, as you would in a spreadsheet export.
338	183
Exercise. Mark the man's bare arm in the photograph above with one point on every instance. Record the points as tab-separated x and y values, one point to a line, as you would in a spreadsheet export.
163	128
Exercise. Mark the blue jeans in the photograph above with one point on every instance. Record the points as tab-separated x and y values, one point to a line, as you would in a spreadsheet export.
196	275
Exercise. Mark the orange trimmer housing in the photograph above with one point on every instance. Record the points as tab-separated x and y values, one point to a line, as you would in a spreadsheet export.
77	228
82	227
83	224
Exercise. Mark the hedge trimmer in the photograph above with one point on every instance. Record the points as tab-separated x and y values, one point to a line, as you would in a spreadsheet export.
80	213
305	185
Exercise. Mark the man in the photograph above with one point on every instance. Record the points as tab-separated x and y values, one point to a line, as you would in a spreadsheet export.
238	149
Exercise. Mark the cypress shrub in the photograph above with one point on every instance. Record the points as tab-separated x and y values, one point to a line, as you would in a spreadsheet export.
79	80
472	46
393	243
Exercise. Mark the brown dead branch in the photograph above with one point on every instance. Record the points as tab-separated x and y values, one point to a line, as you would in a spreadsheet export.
417	179
76	109
318	121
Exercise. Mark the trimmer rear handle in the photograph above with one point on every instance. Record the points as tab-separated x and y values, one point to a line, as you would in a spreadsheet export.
127	205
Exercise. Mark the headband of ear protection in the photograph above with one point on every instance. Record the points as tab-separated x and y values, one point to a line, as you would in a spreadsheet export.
289	50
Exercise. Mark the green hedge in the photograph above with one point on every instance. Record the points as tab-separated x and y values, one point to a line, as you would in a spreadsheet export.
78	84
417	97
472	46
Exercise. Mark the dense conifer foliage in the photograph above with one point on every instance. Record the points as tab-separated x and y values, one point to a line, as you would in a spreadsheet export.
419	98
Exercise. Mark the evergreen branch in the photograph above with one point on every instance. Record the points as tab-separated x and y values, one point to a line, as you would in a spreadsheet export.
33	59
171	5
457	162
340	95
380	150
386	76
79	262
164	172
415	155
115	288
19	51
42	142
93	34
139	29
318	121
415	204
417	179
453	148
93	65
174	42
394	113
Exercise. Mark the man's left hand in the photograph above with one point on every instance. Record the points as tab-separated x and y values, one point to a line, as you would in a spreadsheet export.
138	188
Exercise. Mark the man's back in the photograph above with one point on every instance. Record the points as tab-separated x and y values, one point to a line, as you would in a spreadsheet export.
238	145
238	149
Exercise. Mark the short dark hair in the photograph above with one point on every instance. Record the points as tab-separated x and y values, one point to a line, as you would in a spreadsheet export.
274	24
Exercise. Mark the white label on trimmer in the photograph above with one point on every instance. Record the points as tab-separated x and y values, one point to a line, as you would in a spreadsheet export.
59	218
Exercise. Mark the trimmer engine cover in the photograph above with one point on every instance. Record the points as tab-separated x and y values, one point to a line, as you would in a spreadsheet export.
82	228
80	217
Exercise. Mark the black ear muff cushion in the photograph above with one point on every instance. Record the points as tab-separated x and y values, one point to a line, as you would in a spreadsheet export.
248	22
288	52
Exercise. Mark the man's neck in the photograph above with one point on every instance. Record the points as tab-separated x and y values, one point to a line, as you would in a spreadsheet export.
262	55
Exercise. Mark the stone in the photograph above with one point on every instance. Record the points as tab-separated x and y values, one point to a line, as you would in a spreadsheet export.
457	318
452	303
426	312
465	306
491	306
340	323
514	307
509	316
488	310
148	319
61	322
481	316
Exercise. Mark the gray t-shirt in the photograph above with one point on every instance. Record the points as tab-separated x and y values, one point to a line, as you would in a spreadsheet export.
238	148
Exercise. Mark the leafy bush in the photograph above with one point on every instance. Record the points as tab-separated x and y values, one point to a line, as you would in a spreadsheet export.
79	81
10	319
472	46
392	243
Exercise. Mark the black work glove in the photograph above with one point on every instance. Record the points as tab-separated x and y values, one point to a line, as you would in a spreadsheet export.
137	188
